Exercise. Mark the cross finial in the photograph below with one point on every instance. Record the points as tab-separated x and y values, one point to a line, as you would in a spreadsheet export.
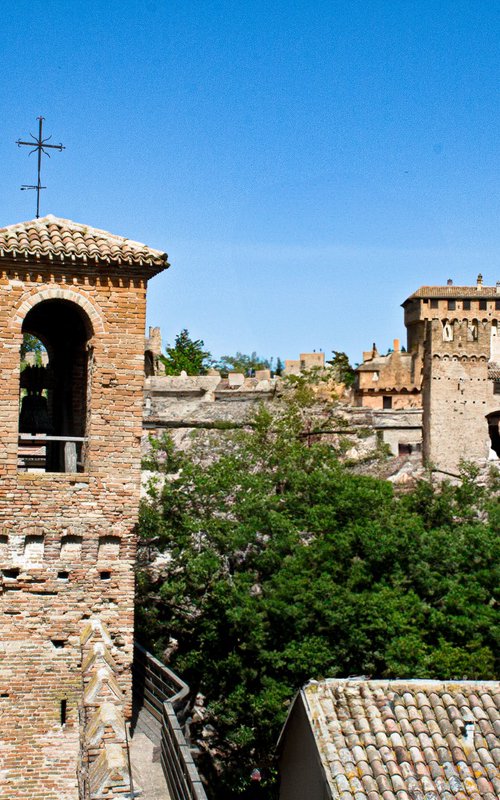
41	146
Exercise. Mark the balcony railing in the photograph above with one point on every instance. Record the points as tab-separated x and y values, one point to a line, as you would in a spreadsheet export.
38	452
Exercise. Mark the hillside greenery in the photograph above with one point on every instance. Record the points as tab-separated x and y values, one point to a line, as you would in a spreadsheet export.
286	566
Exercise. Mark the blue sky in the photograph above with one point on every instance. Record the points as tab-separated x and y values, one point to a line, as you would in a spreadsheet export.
305	165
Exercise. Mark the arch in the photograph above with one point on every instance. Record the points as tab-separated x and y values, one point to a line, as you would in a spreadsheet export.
54	399
493	420
34	544
447	330
472	330
57	293
109	547
71	547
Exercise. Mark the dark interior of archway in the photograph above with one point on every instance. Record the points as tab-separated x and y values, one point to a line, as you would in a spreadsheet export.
493	422
61	328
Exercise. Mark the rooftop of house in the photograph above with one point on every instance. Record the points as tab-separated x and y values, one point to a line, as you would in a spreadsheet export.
407	739
458	292
378	362
54	238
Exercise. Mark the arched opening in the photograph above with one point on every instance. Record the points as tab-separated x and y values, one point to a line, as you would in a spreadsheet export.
493	429
447	330
54	389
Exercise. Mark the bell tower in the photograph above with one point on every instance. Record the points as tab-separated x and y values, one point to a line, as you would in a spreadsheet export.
70	430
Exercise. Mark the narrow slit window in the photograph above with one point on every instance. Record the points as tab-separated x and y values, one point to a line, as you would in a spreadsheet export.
63	711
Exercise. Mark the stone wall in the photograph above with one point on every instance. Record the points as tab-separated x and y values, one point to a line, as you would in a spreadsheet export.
203	411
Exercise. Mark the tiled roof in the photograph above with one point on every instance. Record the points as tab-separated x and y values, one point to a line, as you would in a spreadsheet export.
407	740
55	238
380	362
466	292
493	371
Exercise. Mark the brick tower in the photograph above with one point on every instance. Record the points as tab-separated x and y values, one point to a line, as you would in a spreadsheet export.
455	331
69	483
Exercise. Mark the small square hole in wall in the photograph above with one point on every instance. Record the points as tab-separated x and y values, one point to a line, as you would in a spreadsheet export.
10	574
63	576
105	575
58	643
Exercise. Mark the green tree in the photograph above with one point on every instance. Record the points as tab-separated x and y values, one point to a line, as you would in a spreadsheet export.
343	370
286	566
243	363
31	344
187	354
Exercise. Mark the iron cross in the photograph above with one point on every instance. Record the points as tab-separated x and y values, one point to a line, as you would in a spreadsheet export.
41	146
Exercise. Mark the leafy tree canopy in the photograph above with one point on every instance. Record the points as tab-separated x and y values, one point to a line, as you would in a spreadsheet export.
187	354
286	566
343	370
243	363
31	344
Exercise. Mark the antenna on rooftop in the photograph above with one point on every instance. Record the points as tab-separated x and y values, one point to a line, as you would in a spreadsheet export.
41	146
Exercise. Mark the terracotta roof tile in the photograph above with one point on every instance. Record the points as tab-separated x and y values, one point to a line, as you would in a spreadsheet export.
465	292
55	238
406	740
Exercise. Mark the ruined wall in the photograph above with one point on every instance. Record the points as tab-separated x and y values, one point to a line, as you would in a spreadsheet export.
67	543
203	412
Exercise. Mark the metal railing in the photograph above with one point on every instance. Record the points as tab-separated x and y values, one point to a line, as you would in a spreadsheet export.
164	695
39	452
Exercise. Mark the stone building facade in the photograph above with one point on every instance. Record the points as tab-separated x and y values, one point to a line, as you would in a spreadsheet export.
314	360
456	331
392	381
69	484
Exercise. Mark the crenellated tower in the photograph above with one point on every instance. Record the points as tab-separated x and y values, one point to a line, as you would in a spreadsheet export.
455	331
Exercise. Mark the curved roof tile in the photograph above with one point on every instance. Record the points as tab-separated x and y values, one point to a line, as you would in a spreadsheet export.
406	739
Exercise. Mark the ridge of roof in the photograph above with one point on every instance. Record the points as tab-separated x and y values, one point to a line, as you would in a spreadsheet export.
456	291
58	238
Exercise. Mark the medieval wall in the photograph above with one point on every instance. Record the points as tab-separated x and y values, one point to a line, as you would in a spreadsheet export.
67	543
203	411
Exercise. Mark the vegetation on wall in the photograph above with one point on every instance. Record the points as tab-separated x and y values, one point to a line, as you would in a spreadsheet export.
286	566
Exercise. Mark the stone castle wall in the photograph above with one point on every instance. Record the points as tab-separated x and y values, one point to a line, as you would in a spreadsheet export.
458	393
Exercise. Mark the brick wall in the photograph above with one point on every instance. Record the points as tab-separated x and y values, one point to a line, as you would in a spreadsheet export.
67	543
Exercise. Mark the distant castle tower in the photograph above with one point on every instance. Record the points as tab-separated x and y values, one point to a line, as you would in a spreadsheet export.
69	483
455	330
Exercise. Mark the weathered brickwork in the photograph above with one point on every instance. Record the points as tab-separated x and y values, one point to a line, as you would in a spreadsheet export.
67	540
105	760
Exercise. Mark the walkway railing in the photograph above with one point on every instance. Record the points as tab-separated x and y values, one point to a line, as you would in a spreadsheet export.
164	696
